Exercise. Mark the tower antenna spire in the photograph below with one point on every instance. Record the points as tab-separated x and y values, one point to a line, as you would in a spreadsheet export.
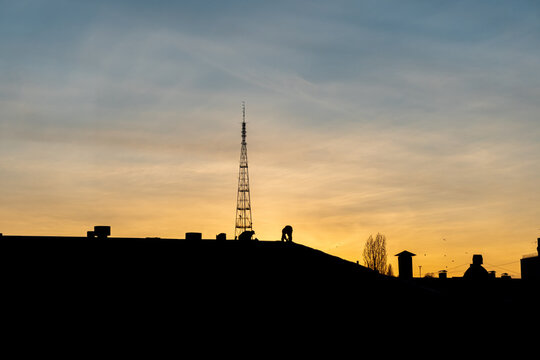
244	123
243	199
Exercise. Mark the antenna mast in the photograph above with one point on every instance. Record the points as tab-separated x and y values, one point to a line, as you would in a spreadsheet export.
243	201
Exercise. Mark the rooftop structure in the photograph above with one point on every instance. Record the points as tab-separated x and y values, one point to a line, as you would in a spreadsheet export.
530	265
405	264
476	271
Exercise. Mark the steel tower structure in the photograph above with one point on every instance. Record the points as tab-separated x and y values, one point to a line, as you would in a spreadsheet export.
243	201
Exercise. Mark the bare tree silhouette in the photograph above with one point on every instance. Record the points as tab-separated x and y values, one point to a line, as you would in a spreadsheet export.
375	253
390	271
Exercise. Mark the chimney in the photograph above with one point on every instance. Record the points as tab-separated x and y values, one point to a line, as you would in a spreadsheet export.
477	260
405	264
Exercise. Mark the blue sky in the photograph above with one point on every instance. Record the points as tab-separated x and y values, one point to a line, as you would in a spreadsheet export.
416	119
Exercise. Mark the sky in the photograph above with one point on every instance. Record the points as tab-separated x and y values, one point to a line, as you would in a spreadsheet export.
418	120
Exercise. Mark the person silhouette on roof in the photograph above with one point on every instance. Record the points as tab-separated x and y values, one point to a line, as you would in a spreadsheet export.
286	234
246	235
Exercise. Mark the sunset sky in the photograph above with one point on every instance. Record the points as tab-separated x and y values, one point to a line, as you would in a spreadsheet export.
419	120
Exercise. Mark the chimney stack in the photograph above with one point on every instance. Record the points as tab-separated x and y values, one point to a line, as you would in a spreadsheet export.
405	264
477	260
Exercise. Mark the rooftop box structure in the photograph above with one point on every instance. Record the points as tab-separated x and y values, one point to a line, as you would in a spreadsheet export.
530	265
193	236
101	232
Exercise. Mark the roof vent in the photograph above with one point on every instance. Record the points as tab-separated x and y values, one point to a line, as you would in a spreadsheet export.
193	236
101	232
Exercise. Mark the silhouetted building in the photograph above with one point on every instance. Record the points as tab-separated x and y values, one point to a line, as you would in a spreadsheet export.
476	271
443	274
221	236
405	264
530	265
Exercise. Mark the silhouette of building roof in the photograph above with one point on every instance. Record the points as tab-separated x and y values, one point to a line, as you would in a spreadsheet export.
476	271
148	270
405	253
530	265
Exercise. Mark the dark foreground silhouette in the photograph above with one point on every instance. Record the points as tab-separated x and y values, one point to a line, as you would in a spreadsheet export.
217	285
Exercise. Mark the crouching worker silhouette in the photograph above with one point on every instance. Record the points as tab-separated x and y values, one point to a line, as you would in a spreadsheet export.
246	235
286	234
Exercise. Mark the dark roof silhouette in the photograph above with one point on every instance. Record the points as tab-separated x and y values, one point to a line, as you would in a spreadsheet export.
476	271
231	271
405	253
270	281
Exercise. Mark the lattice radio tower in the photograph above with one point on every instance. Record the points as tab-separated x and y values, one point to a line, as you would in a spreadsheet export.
243	202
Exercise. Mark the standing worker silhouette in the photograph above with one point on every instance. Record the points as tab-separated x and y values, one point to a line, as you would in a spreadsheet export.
286	233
